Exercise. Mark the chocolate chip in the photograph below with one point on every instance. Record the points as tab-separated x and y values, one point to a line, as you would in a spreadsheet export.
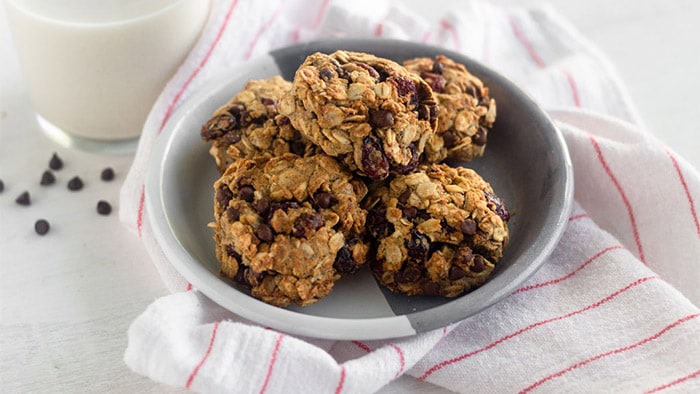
479	138
408	274
107	174
436	81
403	197
374	163
307	222
423	112
282	121
247	193
345	262
55	163
418	246
325	73
479	264
231	252
448	139
377	225
410	212
41	226
265	233
75	184
47	178
233	214
456	273
325	200
438	67
223	195
463	255
380	118
232	137
24	199
468	226
431	288
262	206
103	207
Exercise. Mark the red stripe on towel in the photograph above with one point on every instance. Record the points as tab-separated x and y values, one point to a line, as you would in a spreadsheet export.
447	25
625	200
402	361
675	382
517	30
572	86
206	355
600	302
341	381
362	346
609	353
260	32
577	217
139	212
691	203
273	359
572	273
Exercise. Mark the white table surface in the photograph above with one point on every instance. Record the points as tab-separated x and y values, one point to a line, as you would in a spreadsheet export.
67	298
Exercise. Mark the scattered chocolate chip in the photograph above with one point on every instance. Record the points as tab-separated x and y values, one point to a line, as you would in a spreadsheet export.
325	200
344	261
55	163
47	178
247	193
265	233
479	264
223	195
75	184
468	226
307	222
233	214
456	273
403	197
380	118
438	67
24	199
374	163
418	246
107	174
448	139
104	208
41	226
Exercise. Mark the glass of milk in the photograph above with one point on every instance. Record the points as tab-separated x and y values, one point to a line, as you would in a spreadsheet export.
94	68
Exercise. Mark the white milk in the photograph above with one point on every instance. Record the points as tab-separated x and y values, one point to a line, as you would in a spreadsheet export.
94	68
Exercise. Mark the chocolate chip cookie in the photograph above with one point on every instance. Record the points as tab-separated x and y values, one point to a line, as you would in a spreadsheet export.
437	231
466	113
368	111
289	227
249	125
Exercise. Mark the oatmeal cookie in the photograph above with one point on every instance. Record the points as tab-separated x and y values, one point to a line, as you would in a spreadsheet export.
370	112
249	125
289	227
466	113
437	231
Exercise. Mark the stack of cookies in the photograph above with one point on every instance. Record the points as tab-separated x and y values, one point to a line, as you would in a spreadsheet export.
342	169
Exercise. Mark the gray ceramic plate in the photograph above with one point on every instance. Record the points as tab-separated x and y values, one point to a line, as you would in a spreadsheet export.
526	162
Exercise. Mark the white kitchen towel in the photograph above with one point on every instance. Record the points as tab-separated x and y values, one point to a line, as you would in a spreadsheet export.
613	309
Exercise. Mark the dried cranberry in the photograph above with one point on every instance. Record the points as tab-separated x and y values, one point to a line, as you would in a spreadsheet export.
496	205
418	246
404	86
438	67
217	127
436	81
307	222
374	163
377	225
345	262
412	164
372	72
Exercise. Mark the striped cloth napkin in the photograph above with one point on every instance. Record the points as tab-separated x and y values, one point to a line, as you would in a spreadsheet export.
615	308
